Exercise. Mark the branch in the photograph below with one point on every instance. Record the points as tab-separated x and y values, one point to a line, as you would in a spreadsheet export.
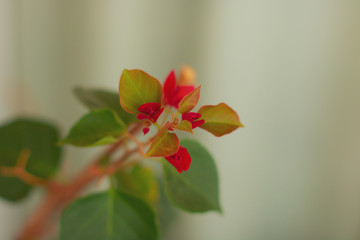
62	194
116	145
20	172
116	165
24	176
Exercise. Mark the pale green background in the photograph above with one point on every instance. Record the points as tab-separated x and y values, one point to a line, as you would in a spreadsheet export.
290	68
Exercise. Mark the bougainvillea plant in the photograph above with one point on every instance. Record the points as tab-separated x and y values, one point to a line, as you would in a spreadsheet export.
140	127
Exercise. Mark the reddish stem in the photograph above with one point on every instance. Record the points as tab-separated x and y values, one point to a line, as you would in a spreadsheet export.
60	195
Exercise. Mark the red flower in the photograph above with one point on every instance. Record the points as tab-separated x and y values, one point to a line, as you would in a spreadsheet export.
191	117
173	93
180	160
150	111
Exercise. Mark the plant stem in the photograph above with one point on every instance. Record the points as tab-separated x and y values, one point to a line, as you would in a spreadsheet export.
20	172
59	195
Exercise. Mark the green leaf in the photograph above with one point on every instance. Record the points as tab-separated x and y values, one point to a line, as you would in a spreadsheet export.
189	101
165	211
184	125
164	144
197	189
219	119
13	189
96	128
140	182
101	99
40	139
137	88
108	216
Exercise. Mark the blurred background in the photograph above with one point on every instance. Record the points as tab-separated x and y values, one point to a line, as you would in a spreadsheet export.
291	69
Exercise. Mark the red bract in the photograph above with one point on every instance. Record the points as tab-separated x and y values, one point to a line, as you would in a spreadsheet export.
192	117
180	160
173	93
146	130
150	111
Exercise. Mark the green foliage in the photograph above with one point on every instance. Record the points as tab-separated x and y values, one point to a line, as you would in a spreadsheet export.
165	211
29	150
140	181
110	215
137	88
219	119
196	190
40	139
98	127
102	99
12	189
164	144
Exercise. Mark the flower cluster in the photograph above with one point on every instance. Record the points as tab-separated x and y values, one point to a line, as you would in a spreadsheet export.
143	95
173	93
